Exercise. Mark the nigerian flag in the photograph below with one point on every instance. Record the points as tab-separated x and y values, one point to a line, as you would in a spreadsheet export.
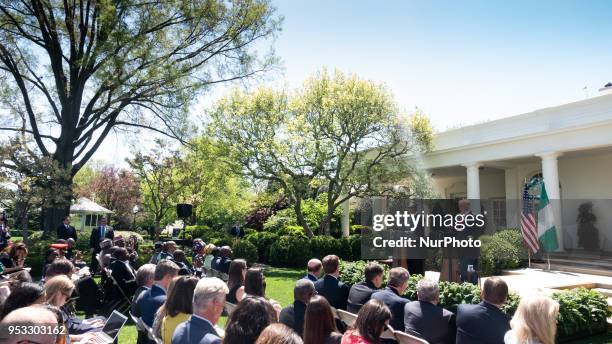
547	232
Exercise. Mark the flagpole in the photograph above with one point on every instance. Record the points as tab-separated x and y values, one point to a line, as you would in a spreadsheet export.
529	258
548	258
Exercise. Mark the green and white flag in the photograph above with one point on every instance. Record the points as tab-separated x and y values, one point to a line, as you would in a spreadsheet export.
547	232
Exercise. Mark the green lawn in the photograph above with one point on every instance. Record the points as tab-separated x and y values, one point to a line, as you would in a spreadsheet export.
279	286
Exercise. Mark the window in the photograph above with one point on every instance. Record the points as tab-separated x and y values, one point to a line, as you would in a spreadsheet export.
499	212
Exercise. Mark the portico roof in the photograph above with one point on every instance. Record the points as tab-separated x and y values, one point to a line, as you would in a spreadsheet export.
576	126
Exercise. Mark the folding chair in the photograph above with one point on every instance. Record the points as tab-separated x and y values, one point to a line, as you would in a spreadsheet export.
347	318
389	333
405	338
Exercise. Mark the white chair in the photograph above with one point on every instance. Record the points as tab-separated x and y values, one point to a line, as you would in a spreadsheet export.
405	338
388	333
229	308
346	317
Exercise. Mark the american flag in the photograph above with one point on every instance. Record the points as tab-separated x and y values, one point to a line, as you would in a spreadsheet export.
529	226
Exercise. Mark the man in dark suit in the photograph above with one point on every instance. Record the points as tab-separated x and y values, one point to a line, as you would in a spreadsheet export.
98	234
484	323
314	268
226	259
361	293
123	272
425	319
149	301
293	315
145	276
330	287
397	281
208	302
65	230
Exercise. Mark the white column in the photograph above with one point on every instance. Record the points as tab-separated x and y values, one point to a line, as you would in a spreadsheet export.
473	180
346	224
550	173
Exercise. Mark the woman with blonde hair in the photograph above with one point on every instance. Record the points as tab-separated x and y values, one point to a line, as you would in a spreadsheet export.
535	321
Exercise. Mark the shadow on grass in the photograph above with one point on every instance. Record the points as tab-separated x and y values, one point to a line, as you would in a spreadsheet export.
284	273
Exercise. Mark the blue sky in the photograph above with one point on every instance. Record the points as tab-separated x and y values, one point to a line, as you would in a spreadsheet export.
461	62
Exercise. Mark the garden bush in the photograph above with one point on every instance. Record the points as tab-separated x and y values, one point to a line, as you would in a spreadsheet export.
351	247
290	251
217	237
357	229
280	220
581	311
292	231
322	245
353	272
262	241
502	250
245	250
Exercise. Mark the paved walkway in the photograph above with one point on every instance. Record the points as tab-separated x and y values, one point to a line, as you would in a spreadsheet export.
529	280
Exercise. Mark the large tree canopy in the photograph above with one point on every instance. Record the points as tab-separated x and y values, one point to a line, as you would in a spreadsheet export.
73	71
338	132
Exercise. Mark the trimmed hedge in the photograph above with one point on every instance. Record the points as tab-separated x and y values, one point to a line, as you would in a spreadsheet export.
245	250
290	251
209	235
262	242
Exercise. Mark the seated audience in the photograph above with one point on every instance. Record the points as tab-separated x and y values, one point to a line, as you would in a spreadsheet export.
210	253
484	322
145	276
361	293
155	256
426	319
255	285
50	256
251	316
183	264
15	257
178	306
58	290
235	281
168	250
319	323
330	287
293	315
69	254
59	267
314	268
535	321
122	272
371	322
36	315
144	280
22	295
391	296
106	253
208	302
225	255
278	334
150	300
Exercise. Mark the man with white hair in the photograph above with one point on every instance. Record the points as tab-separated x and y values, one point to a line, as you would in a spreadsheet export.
28	316
425	319
208	302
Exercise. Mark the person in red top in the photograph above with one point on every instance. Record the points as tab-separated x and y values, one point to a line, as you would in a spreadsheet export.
371	322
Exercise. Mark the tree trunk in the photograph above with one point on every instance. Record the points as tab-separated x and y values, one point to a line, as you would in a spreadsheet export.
52	217
325	225
297	206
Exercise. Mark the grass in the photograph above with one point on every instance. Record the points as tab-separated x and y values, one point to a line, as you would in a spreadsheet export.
279	286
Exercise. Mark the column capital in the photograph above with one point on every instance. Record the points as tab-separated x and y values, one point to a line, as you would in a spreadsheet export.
473	164
549	155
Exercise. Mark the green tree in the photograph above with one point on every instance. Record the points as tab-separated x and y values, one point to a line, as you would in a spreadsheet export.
364	146
163	179
73	71
219	195
338	131
263	141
